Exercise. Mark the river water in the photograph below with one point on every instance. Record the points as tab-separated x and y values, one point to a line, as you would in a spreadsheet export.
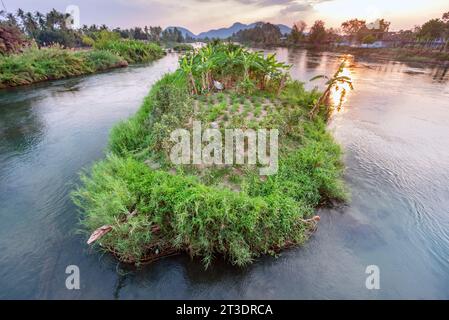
394	128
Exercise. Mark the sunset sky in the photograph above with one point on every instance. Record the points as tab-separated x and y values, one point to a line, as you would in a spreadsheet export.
202	15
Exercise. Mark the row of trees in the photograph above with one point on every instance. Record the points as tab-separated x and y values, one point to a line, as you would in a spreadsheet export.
434	29
360	31
43	28
53	27
352	31
152	34
318	33
355	30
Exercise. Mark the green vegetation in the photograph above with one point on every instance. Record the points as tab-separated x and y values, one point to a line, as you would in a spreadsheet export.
182	47
264	34
51	28
423	43
149	207
35	65
11	40
133	51
233	67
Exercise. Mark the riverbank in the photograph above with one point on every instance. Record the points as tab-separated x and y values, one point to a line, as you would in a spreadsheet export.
35	65
398	54
422	56
410	55
140	206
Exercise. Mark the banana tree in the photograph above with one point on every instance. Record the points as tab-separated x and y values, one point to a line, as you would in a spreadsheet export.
187	65
206	66
273	69
227	64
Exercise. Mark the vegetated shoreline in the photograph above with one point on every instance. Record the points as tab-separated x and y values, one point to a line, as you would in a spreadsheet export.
139	206
36	65
410	55
419	56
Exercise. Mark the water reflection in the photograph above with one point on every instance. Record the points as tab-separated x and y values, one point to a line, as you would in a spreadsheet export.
441	74
19	136
343	85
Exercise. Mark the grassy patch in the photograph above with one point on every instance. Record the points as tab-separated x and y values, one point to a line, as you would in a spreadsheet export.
35	65
133	51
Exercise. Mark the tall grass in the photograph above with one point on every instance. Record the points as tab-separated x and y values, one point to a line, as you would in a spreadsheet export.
133	51
163	110
35	65
205	221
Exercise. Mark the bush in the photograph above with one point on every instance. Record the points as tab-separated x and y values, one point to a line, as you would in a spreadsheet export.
133	51
12	40
49	37
88	41
182	47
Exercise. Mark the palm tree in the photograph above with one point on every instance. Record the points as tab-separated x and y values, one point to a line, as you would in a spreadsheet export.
12	20
30	24
40	18
20	13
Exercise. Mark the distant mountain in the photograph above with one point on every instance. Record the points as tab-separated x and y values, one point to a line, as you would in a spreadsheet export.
185	32
224	33
284	29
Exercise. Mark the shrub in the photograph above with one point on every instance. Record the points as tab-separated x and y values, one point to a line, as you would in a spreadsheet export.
11	40
88	41
182	47
132	51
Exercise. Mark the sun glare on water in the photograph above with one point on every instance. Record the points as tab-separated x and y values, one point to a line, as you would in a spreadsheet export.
341	89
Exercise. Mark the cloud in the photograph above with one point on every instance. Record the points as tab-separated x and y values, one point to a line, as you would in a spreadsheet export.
259	3
300	6
297	7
